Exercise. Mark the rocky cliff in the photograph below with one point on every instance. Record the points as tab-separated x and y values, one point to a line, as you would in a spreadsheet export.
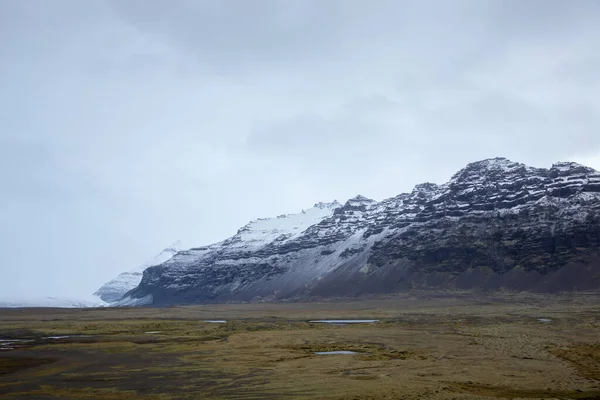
496	225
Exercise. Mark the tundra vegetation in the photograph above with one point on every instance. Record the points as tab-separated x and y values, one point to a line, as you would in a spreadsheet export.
503	346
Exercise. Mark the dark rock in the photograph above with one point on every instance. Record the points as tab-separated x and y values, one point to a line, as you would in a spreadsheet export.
496	225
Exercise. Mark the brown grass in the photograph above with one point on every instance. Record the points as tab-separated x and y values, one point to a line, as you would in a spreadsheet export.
439	348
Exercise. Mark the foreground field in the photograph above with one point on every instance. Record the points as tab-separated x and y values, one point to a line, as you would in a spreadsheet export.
448	348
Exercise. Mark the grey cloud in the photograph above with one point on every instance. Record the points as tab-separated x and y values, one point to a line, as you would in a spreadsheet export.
126	125
232	36
33	161
311	132
249	36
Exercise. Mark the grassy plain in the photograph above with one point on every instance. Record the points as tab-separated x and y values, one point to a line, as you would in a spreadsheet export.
461	347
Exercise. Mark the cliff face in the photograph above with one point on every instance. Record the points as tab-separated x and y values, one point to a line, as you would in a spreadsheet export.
496	224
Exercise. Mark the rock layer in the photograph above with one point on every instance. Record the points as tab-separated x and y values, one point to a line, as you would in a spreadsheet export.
496	224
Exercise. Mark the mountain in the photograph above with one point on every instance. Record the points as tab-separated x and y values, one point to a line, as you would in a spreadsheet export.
51	302
496	225
114	289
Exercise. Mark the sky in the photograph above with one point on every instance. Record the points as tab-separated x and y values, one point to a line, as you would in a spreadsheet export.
127	125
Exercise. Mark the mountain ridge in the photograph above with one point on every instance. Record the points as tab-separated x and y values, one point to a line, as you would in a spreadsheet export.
494	216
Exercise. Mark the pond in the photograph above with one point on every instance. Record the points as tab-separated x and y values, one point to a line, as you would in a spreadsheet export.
344	321
11	344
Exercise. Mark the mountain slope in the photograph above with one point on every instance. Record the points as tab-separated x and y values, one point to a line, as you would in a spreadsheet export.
496	224
114	289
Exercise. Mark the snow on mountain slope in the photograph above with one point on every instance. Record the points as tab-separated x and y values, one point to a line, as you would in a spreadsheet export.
495	224
51	302
256	244
255	235
114	289
263	231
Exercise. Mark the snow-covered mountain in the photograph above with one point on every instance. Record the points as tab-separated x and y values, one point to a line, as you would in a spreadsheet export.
251	238
114	289
496	224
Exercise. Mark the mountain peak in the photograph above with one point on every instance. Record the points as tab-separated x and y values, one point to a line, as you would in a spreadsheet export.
356	203
570	166
497	163
324	205
173	248
488	167
425	187
361	199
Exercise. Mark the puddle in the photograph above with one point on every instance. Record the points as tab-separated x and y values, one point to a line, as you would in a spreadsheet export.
323	353
152	332
344	321
545	320
13	344
216	321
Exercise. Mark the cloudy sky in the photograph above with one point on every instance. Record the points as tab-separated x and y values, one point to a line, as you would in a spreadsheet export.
126	125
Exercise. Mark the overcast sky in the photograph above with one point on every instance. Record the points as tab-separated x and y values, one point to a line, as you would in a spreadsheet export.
126	125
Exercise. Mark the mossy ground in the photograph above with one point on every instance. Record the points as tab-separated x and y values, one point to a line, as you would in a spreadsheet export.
446	348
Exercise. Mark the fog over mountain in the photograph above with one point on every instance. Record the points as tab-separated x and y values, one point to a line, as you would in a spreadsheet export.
128	125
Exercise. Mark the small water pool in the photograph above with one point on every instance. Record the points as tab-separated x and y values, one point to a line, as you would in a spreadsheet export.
12	344
344	321
324	353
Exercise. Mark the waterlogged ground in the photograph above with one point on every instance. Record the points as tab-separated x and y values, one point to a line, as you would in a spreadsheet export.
510	347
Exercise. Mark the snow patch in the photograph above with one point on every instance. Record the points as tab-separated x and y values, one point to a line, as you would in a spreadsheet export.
51	302
261	232
116	288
